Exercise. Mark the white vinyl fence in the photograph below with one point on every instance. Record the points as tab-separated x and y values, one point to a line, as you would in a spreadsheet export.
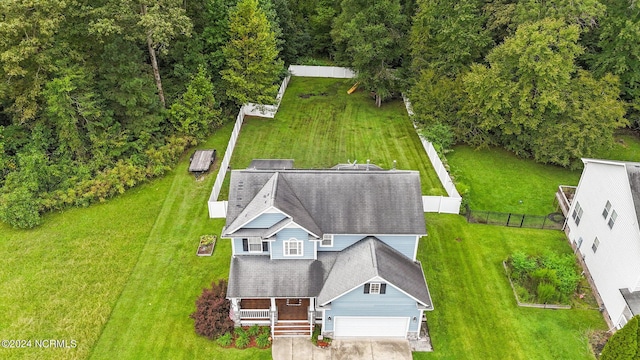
321	71
267	111
440	204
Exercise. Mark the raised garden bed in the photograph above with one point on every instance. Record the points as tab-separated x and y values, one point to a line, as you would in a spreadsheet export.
549	281
207	244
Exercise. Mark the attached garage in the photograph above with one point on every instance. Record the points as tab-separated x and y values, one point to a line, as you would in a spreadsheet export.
352	326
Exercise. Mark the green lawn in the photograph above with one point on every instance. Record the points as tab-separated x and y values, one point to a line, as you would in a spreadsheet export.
500	181
331	127
475	314
121	278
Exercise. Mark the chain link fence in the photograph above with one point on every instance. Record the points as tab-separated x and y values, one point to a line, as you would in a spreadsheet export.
552	221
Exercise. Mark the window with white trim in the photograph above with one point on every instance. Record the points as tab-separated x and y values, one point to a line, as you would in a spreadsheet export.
607	209
612	219
327	240
375	288
595	245
577	213
292	247
255	244
578	242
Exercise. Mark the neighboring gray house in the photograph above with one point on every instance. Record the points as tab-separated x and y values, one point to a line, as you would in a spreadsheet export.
335	247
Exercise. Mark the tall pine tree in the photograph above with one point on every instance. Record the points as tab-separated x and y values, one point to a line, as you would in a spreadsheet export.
252	65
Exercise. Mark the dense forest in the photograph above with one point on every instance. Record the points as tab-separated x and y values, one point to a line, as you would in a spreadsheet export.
98	96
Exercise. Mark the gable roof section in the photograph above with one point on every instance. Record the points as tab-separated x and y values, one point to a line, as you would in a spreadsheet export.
287	201
330	201
258	203
369	258
276	193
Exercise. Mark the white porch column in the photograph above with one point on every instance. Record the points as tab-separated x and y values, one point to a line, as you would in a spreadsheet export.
235	309
274	316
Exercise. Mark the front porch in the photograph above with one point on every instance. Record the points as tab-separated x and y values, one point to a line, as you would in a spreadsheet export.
287	317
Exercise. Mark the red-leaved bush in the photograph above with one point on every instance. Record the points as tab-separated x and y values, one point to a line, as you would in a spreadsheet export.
212	311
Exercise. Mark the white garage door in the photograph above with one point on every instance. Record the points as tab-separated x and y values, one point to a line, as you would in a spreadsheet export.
348	326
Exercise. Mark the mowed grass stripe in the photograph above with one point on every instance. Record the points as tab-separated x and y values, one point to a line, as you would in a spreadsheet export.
62	279
151	318
319	125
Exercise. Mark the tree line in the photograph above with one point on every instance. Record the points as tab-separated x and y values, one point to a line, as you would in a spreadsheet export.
98	96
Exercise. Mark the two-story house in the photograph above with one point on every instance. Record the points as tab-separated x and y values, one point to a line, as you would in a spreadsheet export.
335	247
602	225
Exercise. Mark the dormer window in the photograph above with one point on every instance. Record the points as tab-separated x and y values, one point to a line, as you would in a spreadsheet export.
327	240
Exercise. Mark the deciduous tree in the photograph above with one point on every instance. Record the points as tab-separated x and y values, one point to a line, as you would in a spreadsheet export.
532	99
372	38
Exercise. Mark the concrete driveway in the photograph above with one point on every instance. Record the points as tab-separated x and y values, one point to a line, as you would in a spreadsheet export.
379	349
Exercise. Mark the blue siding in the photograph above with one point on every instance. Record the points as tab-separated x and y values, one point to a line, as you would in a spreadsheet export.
356	303
308	248
237	246
265	221
406	244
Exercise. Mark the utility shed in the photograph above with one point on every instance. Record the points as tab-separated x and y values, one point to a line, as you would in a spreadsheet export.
201	161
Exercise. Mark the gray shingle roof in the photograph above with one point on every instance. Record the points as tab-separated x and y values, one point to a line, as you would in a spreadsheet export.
271	164
632	299
331	201
259	276
367	259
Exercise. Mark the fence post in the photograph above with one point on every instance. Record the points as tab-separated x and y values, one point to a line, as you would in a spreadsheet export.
544	221
508	219
522	221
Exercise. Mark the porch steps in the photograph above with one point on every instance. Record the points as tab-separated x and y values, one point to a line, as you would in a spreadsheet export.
292	329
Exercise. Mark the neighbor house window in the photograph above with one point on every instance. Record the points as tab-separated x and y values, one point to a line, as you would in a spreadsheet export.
595	245
607	209
293	247
327	240
578	243
612	219
577	213
375	288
